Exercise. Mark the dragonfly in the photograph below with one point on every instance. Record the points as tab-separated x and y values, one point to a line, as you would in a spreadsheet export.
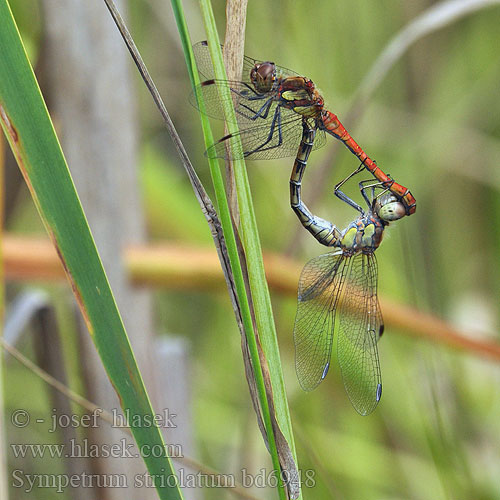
342	285
270	104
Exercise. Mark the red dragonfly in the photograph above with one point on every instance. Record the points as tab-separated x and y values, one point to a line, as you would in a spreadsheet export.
270	103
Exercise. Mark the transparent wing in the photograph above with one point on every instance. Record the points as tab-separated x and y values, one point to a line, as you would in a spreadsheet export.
203	60
249	63
280	139
380	320
320	287
359	330
251	108
205	68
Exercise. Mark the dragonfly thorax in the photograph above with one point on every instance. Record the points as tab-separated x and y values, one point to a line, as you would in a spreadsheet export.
263	76
363	235
300	95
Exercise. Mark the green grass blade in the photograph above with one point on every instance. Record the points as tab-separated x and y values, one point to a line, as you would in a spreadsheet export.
220	193
251	242
28	128
225	217
232	248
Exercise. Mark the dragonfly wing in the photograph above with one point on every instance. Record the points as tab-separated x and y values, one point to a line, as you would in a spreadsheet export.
320	286
249	63
380	321
319	140
205	67
203	60
359	330
265	142
250	107
261	142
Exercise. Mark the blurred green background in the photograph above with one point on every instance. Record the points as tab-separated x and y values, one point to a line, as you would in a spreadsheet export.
434	125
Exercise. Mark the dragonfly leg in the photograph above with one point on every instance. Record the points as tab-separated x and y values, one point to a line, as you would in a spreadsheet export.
325	232
352	174
264	110
342	196
276	122
261	113
369	184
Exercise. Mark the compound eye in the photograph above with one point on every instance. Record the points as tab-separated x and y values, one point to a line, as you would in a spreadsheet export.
263	75
393	210
266	71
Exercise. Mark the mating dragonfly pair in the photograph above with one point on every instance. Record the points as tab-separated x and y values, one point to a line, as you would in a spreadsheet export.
282	114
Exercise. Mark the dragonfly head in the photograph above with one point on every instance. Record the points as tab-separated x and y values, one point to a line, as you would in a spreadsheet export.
388	208
263	76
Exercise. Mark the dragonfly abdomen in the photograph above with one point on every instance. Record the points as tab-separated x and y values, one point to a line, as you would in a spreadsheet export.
325	232
331	124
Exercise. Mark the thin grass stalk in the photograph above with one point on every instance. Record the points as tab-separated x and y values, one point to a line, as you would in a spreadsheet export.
225	216
251	243
234	46
217	180
204	200
208	209
260	292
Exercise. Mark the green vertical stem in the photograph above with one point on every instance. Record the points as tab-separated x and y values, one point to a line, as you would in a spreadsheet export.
223	209
225	217
251	243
